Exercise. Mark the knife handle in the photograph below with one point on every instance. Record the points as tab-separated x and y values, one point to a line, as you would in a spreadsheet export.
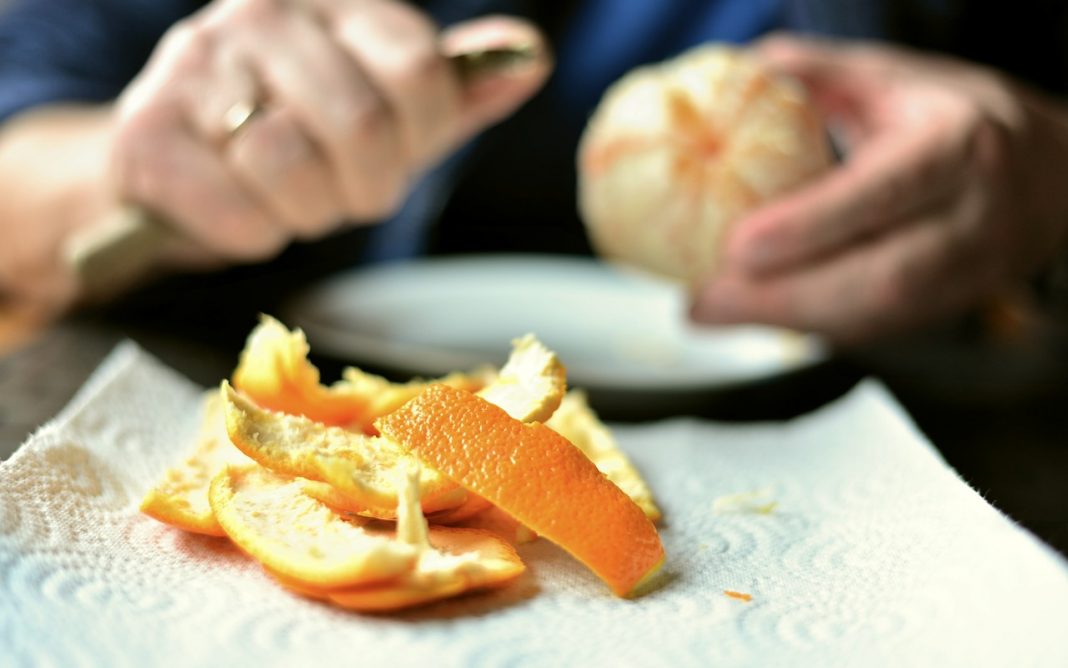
112	254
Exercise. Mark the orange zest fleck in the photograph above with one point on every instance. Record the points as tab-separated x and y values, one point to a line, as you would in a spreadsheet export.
738	595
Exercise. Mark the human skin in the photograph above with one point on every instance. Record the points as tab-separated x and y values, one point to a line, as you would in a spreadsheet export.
951	190
361	100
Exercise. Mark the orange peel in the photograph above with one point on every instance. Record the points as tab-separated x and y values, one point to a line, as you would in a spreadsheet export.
180	498
271	518
383	396
578	423
275	372
531	384
535	475
450	561
361	469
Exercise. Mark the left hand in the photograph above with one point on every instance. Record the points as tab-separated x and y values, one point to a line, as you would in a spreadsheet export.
952	188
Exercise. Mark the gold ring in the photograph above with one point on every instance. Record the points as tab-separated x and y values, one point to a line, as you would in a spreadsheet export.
237	117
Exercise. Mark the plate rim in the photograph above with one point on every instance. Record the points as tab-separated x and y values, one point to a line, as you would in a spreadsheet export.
359	347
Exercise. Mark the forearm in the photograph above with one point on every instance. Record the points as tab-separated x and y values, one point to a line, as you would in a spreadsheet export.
53	182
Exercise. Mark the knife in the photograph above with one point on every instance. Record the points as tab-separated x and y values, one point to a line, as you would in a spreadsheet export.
123	246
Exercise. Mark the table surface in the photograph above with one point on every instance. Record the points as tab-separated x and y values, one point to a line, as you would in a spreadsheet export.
998	416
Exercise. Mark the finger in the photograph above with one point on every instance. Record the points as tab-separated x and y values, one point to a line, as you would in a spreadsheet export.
181	177
891	177
923	270
840	76
397	48
224	85
274	159
494	95
337	106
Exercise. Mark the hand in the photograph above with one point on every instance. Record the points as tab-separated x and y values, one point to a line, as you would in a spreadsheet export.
950	190
355	98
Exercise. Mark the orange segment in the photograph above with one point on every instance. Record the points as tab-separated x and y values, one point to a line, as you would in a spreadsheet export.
535	475
181	497
363	469
531	384
577	422
268	516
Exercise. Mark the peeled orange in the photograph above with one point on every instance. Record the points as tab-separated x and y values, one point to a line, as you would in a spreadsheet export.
676	152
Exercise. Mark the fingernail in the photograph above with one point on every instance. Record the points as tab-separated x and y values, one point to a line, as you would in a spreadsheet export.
473	64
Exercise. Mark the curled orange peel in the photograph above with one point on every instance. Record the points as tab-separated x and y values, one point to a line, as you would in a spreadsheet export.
449	562
531	384
270	517
275	372
363	469
383	396
180	498
578	423
535	475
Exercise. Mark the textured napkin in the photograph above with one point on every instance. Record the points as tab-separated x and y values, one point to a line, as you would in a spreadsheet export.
874	554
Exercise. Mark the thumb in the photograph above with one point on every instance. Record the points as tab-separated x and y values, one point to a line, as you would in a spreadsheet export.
496	90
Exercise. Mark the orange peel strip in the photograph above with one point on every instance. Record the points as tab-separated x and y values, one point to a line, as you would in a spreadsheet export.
535	475
460	560
274	370
180	498
363	469
500	523
578	423
490	563
383	396
451	561
271	518
474	505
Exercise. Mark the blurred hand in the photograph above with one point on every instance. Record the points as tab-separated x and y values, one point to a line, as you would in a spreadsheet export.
951	189
354	98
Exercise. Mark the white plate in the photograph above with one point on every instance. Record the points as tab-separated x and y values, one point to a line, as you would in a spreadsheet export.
613	329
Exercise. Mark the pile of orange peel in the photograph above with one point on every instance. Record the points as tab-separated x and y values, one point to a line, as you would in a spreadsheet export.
378	496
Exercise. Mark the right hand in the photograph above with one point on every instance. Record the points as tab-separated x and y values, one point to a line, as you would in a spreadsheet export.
356	98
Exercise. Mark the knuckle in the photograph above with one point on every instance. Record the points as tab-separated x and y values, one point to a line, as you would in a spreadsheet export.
365	116
244	233
251	9
420	64
188	42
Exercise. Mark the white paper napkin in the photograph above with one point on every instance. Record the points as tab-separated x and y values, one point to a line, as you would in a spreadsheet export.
876	554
